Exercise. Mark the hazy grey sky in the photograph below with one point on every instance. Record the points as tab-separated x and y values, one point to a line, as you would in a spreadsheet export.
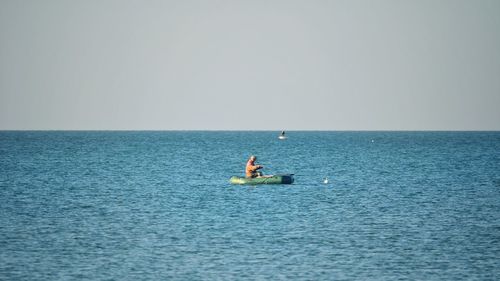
245	65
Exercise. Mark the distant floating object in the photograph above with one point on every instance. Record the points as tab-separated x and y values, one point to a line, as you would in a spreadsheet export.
282	136
373	141
325	181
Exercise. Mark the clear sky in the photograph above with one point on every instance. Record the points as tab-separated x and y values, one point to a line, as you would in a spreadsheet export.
250	65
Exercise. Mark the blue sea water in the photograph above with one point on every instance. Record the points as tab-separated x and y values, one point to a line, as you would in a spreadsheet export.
158	206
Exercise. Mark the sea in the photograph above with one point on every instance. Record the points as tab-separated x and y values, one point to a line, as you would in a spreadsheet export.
158	205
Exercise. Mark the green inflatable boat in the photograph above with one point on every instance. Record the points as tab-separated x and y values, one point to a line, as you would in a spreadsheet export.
276	179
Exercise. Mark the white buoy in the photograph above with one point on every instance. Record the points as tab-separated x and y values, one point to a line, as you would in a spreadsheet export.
325	181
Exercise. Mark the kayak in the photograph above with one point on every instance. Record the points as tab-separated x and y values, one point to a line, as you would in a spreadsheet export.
276	179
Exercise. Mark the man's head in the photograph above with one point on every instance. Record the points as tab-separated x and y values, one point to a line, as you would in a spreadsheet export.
253	158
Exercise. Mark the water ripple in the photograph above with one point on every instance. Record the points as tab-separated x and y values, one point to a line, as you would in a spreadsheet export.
157	205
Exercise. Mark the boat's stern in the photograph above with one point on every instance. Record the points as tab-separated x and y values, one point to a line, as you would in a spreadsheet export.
287	179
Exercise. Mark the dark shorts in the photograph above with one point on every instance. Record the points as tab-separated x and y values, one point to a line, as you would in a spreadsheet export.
256	174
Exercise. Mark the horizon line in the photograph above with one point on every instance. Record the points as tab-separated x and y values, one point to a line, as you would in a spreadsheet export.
248	130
